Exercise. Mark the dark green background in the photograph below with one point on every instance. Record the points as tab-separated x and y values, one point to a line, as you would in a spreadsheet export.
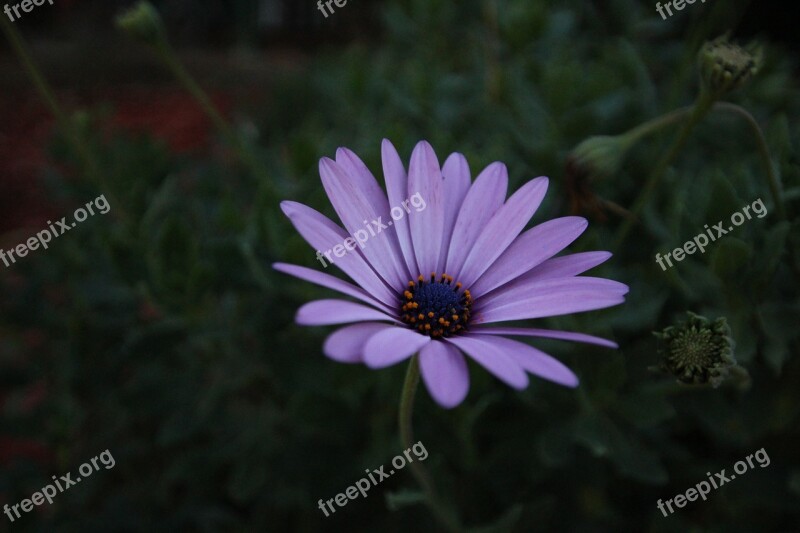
166	338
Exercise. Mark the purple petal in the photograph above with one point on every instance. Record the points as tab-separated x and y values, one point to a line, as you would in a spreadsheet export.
457	180
490	356
346	345
550	297
328	312
502	229
547	334
483	199
322	234
445	373
326	280
537	362
565	266
392	346
528	250
394	174
354	207
427	225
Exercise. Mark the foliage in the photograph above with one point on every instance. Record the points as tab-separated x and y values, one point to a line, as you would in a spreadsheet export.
164	336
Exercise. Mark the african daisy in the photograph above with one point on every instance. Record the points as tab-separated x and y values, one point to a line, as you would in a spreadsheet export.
437	280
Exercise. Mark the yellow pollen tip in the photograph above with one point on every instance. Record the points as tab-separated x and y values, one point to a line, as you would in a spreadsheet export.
430	314
420	316
427	327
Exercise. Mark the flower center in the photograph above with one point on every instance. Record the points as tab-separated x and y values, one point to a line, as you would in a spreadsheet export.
436	307
695	348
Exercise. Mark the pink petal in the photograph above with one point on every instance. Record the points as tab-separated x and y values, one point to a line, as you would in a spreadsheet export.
528	250
550	297
547	334
445	373
483	199
490	356
392	346
328	312
331	282
502	229
457	180
346	345
349	197
427	225
394	174
537	362
322	234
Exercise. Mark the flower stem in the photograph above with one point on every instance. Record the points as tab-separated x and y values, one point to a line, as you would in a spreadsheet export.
766	160
445	518
657	123
166	53
763	150
699	110
72	134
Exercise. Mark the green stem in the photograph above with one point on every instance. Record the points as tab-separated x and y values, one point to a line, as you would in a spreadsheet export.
763	150
445	518
656	124
766	160
47	95
166	53
699	110
38	80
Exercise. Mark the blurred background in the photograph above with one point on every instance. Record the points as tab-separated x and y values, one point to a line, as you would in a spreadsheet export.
160	332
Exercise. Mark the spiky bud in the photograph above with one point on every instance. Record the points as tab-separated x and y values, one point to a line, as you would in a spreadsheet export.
698	351
725	66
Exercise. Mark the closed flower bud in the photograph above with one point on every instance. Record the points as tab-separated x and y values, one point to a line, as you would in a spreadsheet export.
601	155
698	351
597	157
142	22
725	66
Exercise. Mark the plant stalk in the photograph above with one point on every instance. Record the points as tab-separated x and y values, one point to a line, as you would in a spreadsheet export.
699	110
166	53
445	518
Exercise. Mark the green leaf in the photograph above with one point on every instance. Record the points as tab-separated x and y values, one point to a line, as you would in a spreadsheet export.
730	257
403	498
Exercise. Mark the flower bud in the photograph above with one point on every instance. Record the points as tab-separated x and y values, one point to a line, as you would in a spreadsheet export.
725	66
142	22
600	155
698	351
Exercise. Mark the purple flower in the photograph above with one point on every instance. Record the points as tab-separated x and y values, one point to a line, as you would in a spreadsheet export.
436	277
